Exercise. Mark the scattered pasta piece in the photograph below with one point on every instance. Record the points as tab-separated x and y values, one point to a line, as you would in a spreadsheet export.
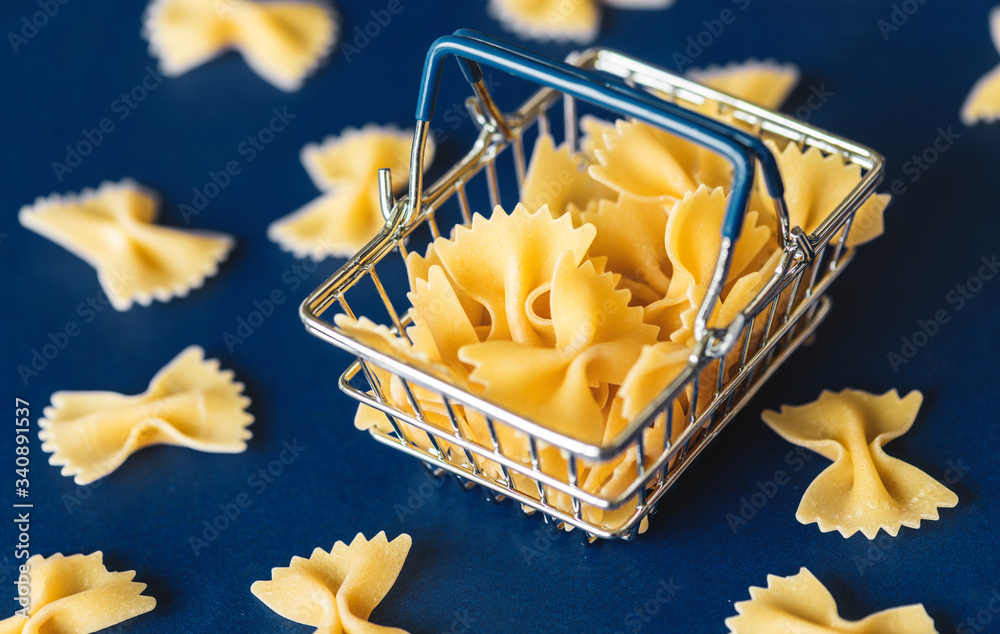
546	20
816	184
983	102
189	403
560	21
112	229
576	21
864	489
336	591
77	594
766	83
282	41
800	603
558	178
348	215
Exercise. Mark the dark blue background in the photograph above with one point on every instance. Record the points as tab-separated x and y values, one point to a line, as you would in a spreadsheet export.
469	556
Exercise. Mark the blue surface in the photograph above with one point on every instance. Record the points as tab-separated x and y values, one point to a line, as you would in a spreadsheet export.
471	559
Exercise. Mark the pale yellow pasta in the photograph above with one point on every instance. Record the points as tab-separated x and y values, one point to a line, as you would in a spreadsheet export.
189	403
75	595
111	228
815	184
557	178
630	234
336	591
643	162
864	489
595	338
347	215
500	262
800	603
282	41
983	102
693	239
560	20
765	83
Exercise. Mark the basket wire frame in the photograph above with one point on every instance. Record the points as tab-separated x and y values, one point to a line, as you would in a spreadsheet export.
790	307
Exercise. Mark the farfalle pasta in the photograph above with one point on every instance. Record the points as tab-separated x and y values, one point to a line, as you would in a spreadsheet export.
76	594
558	178
800	603
766	83
283	41
576	21
864	489
595	338
983	102
111	228
693	240
646	163
189	403
336	591
815	184
347	215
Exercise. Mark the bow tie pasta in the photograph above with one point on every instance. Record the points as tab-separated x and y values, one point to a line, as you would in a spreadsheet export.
983	102
77	594
864	489
112	229
577	310
576	21
336	591
281	41
345	168
189	403
800	603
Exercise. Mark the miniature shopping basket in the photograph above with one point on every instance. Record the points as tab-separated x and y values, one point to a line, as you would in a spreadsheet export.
753	346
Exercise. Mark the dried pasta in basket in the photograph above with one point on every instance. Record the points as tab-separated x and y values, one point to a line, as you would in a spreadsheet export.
499	263
111	228
692	245
561	21
800	603
282	41
643	162
347	215
983	102
557	178
630	234
76	594
864	489
189	403
595	338
336	591
391	387
816	184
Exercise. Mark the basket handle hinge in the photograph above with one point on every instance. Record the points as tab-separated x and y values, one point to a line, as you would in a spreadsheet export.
804	249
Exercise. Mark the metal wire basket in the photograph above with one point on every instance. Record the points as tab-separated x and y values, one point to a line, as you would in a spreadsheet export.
730	362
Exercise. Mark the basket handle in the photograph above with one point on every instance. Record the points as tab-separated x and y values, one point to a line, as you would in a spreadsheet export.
740	148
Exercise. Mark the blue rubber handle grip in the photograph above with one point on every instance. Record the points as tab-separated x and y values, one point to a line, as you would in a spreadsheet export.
738	147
